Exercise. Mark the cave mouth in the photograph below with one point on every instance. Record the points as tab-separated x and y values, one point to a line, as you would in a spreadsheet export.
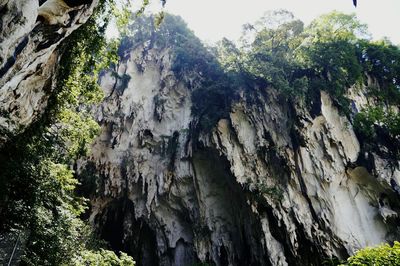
246	245
123	232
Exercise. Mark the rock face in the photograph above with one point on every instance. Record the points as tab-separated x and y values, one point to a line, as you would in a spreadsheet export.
29	37
274	184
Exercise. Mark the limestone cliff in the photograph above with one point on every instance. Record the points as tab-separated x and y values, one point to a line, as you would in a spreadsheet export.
272	184
31	32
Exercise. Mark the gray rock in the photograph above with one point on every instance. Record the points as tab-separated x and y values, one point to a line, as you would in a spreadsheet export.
248	194
29	40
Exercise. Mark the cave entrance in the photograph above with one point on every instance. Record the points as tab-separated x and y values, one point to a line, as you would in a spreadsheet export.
119	227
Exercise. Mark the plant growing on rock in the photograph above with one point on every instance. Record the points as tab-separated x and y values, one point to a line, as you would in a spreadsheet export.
37	183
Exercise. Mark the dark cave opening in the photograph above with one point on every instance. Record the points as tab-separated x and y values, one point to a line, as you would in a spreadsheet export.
125	233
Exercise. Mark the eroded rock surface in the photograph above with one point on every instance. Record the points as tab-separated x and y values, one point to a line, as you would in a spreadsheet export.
29	37
271	185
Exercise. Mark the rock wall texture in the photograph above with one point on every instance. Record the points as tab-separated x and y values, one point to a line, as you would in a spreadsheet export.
274	184
30	33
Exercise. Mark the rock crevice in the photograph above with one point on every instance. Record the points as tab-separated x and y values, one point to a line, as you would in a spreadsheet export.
272	184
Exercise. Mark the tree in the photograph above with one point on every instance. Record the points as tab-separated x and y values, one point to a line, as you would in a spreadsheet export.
269	56
37	184
337	26
380	255
103	258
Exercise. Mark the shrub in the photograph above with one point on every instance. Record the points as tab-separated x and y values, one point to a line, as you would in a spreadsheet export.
381	255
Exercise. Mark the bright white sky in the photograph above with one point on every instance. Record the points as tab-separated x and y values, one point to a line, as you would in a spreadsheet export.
213	19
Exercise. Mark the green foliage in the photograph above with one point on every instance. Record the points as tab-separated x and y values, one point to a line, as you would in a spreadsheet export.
228	56
382	255
329	50
371	117
211	103
269	58
102	258
381	60
297	60
188	53
37	185
335	67
364	121
333	53
270	191
191	62
336	26
331	262
39	198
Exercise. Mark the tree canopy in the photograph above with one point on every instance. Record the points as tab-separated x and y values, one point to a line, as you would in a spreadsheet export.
333	53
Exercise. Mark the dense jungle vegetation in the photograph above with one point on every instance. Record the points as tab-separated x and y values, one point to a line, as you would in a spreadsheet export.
38	192
38	198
